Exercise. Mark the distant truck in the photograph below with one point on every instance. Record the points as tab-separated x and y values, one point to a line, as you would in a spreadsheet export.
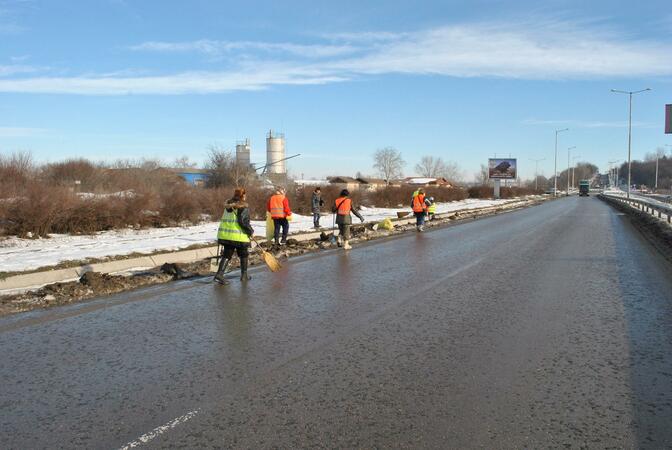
584	188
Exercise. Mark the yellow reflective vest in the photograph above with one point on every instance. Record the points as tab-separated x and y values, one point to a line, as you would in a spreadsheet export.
230	229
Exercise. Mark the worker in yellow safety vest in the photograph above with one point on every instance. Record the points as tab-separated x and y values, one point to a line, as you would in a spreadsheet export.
431	208
234	235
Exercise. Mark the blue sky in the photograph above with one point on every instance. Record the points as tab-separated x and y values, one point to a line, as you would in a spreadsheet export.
464	81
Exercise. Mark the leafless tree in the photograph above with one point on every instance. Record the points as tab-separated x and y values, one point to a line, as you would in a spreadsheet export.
16	171
184	162
652	156
430	167
482	176
224	170
451	171
389	163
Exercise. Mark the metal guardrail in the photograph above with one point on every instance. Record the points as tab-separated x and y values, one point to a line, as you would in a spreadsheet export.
652	207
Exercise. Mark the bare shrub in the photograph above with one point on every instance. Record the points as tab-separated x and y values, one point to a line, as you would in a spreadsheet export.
441	194
178	204
39	210
257	198
391	197
16	172
481	191
68	172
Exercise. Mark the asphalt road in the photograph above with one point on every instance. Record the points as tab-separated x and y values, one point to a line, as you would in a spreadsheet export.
545	327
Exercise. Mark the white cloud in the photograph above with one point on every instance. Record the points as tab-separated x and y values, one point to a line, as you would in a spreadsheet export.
548	50
16	69
183	83
528	50
219	48
12	132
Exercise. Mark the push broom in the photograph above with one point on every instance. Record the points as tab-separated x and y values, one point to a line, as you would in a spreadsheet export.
270	260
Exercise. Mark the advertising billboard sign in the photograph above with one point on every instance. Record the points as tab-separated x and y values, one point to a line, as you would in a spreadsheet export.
502	168
668	119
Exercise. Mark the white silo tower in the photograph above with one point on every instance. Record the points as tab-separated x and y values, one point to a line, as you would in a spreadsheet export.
243	153
275	151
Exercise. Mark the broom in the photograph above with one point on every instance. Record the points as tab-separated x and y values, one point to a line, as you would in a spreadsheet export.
270	260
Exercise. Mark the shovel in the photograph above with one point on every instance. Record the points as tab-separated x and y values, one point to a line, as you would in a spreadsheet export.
270	260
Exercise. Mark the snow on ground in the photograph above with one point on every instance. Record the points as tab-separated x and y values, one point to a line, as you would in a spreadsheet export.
28	254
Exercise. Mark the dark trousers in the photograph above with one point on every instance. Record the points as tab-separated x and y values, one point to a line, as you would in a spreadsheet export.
229	248
277	223
344	231
316	219
419	218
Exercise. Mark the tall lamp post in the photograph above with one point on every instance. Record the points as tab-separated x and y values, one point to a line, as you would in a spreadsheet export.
658	152
574	158
555	166
536	172
629	128
568	153
614	170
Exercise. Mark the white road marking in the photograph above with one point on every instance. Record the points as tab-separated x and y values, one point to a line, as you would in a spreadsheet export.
156	432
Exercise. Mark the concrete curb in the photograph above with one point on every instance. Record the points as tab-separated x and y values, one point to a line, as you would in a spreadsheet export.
29	281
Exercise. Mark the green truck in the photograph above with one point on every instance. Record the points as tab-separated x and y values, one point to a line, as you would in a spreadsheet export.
584	188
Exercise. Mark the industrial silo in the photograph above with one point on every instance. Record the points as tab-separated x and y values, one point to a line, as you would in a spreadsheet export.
275	151
243	153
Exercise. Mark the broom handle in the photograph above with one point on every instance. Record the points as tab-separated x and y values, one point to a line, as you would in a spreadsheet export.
256	242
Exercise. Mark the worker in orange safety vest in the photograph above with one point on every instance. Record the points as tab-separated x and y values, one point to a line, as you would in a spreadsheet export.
419	206
278	208
343	206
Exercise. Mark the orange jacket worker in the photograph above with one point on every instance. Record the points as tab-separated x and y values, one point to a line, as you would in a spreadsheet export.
343	206
419	209
278	208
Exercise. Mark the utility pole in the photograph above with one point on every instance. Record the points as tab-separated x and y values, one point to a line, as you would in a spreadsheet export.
629	130
568	152
574	166
612	171
536	172
555	166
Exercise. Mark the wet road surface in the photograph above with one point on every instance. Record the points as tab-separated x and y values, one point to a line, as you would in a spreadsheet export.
545	327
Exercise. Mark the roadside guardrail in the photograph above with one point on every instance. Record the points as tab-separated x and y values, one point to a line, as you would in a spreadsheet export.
653	207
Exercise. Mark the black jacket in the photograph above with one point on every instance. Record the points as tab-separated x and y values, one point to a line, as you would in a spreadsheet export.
315	202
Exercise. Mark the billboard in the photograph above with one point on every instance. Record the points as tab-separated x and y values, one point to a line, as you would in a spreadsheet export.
668	119
504	168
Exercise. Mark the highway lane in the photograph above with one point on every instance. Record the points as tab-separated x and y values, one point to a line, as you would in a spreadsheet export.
548	326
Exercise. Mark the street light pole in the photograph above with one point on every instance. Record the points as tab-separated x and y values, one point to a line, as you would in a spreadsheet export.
658	152
573	166
568	152
629	129
614	171
536	172
555	167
